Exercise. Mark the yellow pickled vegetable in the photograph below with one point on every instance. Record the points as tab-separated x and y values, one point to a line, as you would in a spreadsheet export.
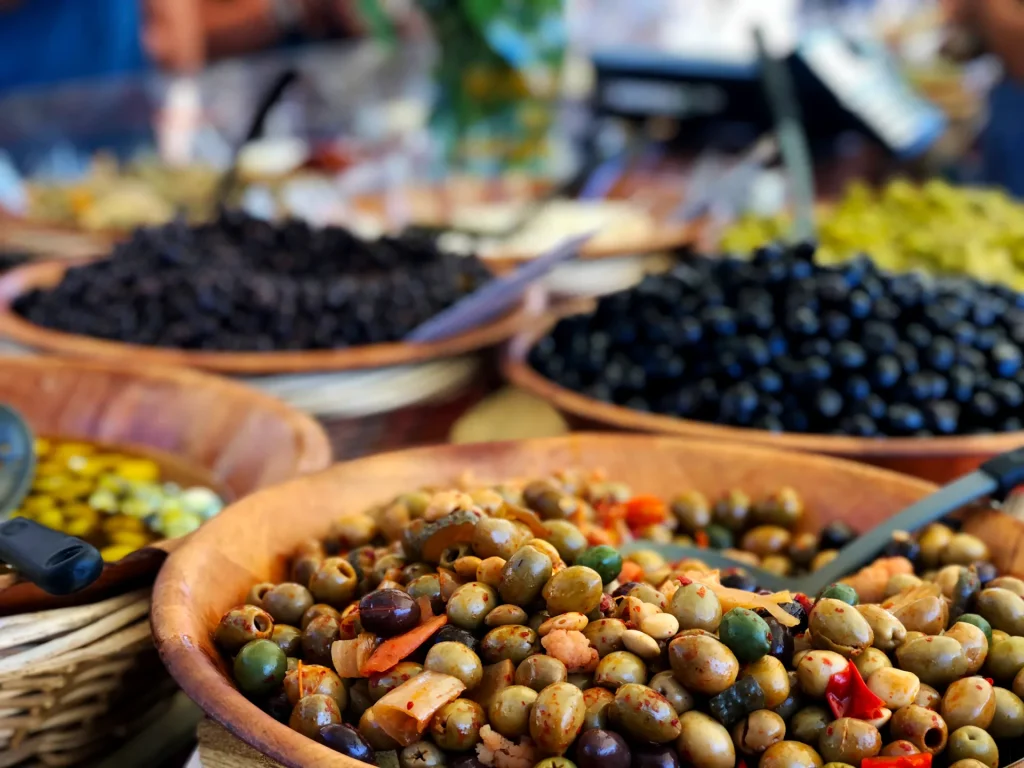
934	226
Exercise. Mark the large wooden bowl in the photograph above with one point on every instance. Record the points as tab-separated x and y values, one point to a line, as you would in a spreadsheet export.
251	541
47	274
199	428
938	459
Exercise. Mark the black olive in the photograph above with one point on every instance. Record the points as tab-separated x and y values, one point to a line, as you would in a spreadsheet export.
836	535
737	579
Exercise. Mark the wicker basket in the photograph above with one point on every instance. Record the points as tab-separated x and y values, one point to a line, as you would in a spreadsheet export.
74	681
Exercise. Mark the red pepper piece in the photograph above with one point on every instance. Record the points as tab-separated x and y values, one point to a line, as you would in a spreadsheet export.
804	601
849	696
923	760
702	540
645	510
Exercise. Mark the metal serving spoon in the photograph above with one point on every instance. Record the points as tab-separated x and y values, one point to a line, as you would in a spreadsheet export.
996	478
53	561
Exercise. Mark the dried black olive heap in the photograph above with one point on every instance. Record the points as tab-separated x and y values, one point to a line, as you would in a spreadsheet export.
783	344
242	284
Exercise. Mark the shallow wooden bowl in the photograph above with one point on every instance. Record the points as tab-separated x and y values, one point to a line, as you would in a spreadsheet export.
251	542
939	459
47	274
199	428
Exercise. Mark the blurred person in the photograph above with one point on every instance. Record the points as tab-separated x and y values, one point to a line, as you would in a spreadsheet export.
49	41
997	26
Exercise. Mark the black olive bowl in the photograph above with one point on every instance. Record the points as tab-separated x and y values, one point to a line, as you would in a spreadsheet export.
47	274
938	459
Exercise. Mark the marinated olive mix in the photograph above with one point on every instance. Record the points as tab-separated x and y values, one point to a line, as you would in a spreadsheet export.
501	627
113	500
781	343
242	284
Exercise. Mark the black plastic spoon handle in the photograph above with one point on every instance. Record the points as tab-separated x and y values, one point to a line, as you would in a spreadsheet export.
55	562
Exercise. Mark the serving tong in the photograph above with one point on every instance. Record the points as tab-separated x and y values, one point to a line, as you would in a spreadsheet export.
55	562
994	479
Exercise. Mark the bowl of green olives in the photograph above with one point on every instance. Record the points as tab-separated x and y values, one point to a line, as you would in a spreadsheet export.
119	448
469	606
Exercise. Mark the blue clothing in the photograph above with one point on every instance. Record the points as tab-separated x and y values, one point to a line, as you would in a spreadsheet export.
48	41
1003	142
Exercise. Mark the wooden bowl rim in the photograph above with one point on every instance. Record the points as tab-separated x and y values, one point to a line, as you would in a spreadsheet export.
517	369
17	281
176	622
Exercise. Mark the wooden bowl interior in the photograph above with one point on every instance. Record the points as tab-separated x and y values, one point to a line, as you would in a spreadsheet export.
47	274
938	459
249	543
202	429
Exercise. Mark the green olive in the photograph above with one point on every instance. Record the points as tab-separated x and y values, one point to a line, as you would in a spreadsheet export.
696	607
470	604
932	541
973	642
510	711
506	614
605	635
620	668
972	742
557	717
1005	659
370	729
870	661
784	508
496	537
692	511
935	660
899	748
766	540
731	510
456	726
318	637
645	714
849	740
385	682
928	697
576	588
599	703
359	700
790	754
963	549
317	610
422	754
838	626
969	701
334	582
1008	720
511	641
524	576
457	660
703	664
312	713
808	724
566	538
758	731
540	671
288	639
773	678
1011	583
704	742
921	727
259	667
1002	609
666	684
929	615
242	625
896	687
887	630
647	594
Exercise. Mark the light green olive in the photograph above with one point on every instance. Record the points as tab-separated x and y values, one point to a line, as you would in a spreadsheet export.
666	684
510	710
849	740
1002	609
620	668
1008	720
790	754
511	641
540	671
576	588
1005	659
970	701
605	635
929	615
645	714
524	576
887	630
773	678
838	626
702	663
557	717
971	742
704	742
921	727
696	607
808	724
935	660
470	604
870	661
758	731
598	702
974	643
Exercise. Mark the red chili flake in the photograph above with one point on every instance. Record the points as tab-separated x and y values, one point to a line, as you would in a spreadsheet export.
684	581
829	730
410	705
701	591
979	687
827	662
701	539
804	601
928	639
839	610
487	597
990	681
674	723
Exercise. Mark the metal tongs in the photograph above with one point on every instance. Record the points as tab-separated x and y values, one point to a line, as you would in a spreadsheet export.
995	479
55	562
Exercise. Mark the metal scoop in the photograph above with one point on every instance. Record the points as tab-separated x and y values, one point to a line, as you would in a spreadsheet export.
55	562
996	478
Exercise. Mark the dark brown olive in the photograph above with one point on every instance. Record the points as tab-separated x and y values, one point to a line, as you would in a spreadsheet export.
598	748
319	609
388	612
651	756
240	625
313	713
346	740
317	638
288	639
